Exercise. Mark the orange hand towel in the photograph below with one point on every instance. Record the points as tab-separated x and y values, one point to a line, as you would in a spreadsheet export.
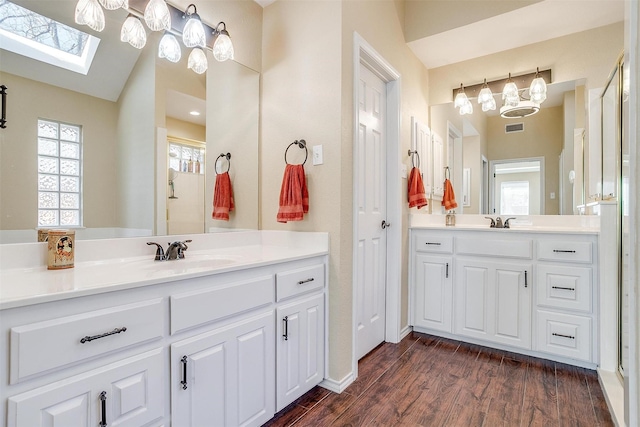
449	198
294	196
417	196
222	197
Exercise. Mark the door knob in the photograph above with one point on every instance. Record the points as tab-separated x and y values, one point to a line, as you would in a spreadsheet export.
385	224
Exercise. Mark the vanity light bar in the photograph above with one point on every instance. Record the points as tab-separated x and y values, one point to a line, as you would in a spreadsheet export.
496	86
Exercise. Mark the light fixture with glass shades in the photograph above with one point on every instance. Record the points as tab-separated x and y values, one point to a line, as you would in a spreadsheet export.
158	15
513	91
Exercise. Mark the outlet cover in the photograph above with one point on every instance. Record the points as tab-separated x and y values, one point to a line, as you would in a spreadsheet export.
317	155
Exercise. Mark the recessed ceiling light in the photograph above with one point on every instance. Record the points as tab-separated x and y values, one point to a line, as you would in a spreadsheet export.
195	113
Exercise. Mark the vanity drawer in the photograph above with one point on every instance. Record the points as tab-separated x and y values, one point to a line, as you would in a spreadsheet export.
564	251
505	248
564	287
438	244
295	282
564	335
42	346
195	308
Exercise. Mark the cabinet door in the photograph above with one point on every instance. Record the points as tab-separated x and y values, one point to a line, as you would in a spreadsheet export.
433	292
493	301
133	396
225	377
300	349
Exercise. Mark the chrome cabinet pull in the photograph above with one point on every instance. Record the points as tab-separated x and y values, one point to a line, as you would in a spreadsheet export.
563	251
302	282
563	288
446	273
286	328
103	409
433	243
525	279
563	336
184	372
106	334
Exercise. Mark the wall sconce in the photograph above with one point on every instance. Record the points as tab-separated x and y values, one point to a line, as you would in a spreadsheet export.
159	15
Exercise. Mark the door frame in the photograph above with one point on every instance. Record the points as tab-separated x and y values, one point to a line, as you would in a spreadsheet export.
492	165
364	55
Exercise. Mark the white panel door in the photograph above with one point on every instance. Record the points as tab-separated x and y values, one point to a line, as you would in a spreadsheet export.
473	296
132	395
225	377
438	166
433	299
371	193
423	146
300	348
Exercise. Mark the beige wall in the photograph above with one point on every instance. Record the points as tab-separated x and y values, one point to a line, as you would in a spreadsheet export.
589	54
27	102
543	136
181	129
533	178
471	158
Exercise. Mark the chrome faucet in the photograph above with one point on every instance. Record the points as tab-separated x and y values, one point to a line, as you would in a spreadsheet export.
499	223
506	223
174	251
493	223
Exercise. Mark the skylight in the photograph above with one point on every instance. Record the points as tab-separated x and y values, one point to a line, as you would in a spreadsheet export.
30	34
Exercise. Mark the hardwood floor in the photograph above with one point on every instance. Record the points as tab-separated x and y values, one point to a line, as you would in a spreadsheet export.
430	381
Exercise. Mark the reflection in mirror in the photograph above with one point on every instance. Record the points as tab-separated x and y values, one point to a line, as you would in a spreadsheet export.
123	106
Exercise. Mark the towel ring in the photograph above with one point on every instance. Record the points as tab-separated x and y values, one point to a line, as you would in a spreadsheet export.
411	153
302	144
226	156
447	173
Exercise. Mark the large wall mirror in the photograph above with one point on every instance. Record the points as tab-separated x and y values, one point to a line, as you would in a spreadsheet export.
146	164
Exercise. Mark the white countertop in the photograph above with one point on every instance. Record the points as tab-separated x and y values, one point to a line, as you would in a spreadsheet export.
26	285
566	224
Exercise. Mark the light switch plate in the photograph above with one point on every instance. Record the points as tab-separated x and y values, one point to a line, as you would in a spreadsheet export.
552	195
317	155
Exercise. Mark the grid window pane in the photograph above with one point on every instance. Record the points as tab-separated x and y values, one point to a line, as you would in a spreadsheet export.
70	184
186	153
69	167
48	129
47	200
47	147
70	150
47	218
47	164
174	164
174	150
48	182
70	217
59	177
70	133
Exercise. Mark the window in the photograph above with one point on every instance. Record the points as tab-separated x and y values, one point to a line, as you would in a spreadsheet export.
59	174
514	198
186	157
30	34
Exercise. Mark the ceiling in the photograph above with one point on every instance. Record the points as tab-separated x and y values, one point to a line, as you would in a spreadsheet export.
533	23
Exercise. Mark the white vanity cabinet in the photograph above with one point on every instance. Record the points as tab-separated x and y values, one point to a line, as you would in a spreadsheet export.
523	291
195	351
300	332
225	377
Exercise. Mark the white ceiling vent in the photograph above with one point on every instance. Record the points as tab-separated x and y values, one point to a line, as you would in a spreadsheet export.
514	127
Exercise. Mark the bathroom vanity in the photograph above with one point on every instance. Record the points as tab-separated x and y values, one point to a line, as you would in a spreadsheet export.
529	289
228	335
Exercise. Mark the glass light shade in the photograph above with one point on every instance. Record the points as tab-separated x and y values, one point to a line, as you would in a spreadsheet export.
89	13
510	90
169	48
133	32
193	32
157	15
467	108
511	101
198	61
538	90
222	47
485	95
461	99
489	105
111	4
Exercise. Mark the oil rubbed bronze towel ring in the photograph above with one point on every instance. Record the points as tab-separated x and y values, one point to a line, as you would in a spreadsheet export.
411	153
226	156
302	144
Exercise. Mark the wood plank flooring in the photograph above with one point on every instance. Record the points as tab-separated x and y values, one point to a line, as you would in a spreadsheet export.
430	381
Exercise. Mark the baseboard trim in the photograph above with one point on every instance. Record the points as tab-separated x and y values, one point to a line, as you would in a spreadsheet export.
338	386
614	395
405	331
